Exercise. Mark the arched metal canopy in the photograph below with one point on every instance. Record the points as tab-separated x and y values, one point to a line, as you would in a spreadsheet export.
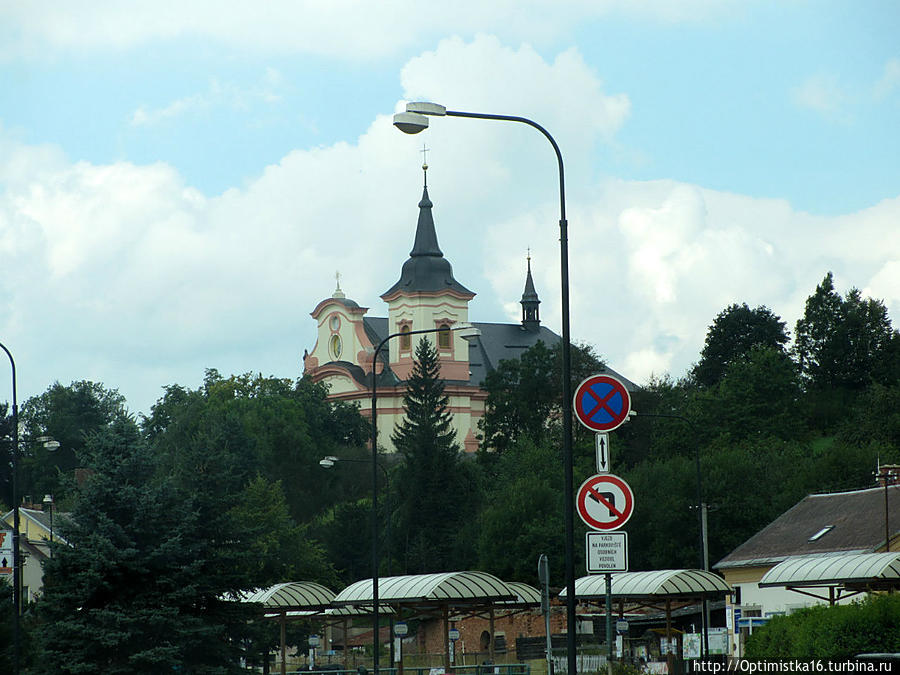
850	571
293	595
657	584
442	588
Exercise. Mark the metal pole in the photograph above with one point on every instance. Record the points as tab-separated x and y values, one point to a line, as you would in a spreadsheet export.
569	494
609	631
17	558
374	441
701	524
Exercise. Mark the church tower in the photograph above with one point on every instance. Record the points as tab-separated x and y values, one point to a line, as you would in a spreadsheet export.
531	315
427	296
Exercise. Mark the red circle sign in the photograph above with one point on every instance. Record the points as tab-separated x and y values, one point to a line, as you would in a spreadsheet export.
602	403
605	502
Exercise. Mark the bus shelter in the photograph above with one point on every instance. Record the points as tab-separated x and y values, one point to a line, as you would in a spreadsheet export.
835	577
438	595
660	590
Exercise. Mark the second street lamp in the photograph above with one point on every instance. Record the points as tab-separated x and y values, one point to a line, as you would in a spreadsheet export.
413	121
468	332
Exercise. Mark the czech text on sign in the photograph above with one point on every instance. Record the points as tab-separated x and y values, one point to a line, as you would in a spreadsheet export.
602	403
605	502
607	552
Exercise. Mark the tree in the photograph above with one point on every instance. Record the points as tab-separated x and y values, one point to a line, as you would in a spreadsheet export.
70	415
249	425
757	396
435	494
523	516
525	395
847	342
147	580
735	331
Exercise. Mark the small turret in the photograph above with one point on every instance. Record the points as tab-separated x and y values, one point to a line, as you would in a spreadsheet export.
531	315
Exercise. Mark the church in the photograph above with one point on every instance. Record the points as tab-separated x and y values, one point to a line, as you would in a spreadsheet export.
425	297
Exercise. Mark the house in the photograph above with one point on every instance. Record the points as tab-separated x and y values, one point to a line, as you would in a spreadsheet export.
425	297
36	530
819	526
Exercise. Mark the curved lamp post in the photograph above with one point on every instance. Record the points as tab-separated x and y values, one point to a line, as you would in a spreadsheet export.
413	121
17	560
467	332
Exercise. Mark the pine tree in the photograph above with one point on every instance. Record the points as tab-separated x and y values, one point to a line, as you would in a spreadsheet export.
432	482
142	582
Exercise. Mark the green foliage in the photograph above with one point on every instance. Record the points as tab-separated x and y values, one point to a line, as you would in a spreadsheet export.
735	332
247	425
7	617
846	342
146	580
757	395
70	415
435	491
523	515
838	632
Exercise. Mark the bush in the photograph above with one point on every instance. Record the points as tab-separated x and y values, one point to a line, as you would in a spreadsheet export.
837	632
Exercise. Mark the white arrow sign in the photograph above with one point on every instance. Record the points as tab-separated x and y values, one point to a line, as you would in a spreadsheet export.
603	459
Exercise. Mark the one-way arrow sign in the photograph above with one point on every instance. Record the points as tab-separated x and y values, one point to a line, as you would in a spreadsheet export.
603	458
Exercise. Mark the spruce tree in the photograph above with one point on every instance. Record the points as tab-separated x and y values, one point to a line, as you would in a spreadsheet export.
431	479
141	583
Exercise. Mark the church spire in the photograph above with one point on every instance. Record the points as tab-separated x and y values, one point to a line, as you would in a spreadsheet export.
426	270
531	318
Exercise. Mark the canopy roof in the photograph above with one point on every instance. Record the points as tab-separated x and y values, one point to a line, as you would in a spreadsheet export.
294	595
850	570
657	584
441	588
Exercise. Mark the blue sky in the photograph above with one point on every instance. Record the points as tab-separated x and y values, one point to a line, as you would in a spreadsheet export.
179	184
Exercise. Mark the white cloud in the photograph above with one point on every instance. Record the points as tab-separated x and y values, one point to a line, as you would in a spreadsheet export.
125	275
821	93
352	30
889	81
218	94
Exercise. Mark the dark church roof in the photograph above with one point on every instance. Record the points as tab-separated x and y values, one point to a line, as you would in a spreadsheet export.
497	342
837	522
426	270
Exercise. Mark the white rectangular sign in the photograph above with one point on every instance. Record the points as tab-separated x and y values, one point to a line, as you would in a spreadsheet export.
601	443
607	552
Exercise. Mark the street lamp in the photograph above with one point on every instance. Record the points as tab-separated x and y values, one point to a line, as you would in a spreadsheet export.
413	121
701	515
17	560
48	503
467	332
328	462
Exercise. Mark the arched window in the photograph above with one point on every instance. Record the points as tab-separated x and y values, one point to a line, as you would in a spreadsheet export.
405	338
443	337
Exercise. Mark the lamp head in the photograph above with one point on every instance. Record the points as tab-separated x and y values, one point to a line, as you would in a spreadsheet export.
328	461
410	123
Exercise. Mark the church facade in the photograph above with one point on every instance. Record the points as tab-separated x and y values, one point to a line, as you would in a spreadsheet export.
426	297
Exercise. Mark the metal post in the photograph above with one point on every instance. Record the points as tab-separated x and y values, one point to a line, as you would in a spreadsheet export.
17	556
374	440
609	620
568	463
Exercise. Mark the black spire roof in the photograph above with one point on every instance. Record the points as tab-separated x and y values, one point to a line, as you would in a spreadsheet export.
426	270
531	317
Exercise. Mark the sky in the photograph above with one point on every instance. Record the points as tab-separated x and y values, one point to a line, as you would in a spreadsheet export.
181	182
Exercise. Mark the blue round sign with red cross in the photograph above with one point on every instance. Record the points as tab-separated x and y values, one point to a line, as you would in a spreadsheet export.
602	403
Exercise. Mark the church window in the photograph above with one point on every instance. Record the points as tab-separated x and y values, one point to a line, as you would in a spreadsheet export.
443	337
336	347
405	338
334	322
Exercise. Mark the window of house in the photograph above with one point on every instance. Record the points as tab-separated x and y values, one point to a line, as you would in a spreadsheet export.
443	337
405	338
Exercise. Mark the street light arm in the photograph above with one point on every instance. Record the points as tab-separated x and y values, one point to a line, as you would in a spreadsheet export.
413	121
17	558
